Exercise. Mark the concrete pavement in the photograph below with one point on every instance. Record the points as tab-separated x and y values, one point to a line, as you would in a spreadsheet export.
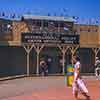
43	88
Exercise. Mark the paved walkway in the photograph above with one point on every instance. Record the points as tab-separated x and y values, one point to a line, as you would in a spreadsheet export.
48	88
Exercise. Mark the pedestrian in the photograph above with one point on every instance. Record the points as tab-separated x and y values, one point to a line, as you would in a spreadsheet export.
43	68
78	84
97	67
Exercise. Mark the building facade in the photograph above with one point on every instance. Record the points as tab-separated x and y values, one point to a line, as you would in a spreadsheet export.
20	57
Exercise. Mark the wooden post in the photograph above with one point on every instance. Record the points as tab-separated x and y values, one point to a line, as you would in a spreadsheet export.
38	49
95	50
63	63
72	54
28	48
63	50
73	51
37	70
28	63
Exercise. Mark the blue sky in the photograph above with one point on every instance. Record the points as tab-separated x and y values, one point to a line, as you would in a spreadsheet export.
82	8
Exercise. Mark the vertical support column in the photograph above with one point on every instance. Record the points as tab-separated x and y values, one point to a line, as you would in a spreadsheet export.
37	70
73	51
28	48
72	57
63	50
28	63
95	50
38	49
38	52
63	62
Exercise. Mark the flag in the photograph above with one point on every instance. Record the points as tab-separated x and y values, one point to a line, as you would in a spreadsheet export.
51	23
66	29
76	18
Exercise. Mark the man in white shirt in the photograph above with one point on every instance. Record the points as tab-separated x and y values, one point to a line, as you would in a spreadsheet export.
78	84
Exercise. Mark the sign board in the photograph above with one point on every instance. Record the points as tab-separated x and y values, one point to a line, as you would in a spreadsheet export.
49	38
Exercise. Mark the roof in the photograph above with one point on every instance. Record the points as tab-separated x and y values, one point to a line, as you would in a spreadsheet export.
53	18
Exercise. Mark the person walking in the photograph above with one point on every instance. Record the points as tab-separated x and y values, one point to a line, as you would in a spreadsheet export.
78	84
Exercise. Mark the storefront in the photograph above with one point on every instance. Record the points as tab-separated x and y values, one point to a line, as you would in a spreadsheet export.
56	49
22	53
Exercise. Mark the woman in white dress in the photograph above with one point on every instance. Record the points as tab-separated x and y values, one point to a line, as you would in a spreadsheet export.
78	84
